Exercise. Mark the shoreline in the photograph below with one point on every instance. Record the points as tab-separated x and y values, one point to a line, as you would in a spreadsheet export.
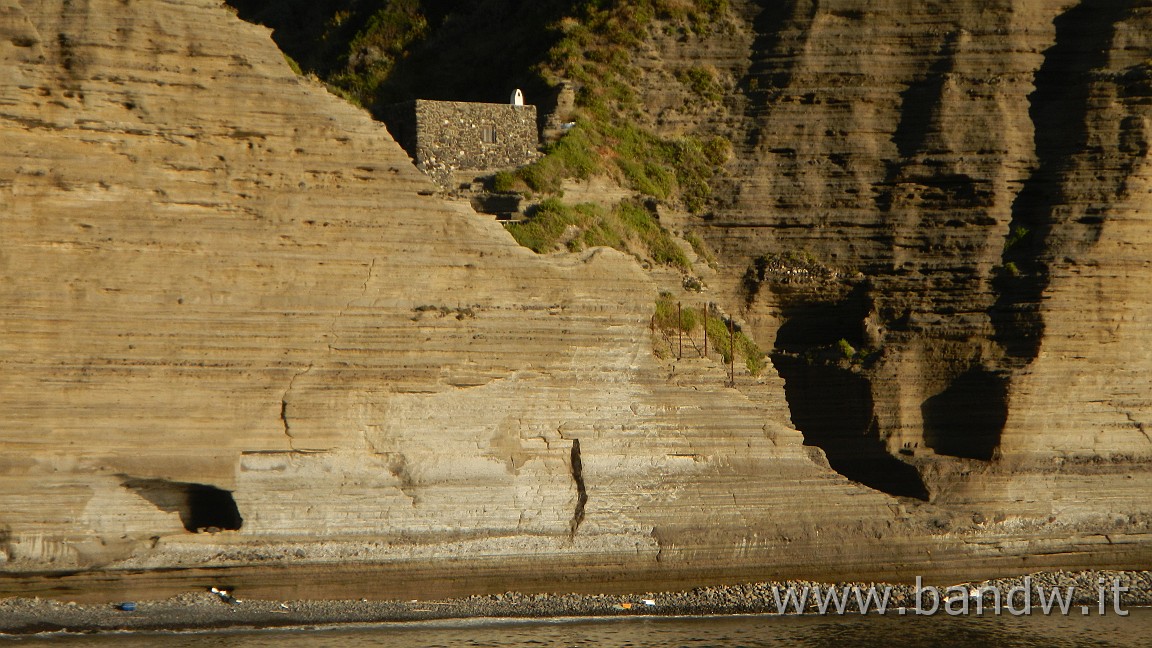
204	611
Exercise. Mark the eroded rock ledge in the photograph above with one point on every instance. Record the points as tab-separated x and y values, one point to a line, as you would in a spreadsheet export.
221	286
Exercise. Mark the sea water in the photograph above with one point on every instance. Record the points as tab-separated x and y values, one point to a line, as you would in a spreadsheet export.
989	631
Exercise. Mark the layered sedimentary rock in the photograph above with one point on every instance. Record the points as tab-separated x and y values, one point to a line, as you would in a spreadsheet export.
238	328
230	303
954	191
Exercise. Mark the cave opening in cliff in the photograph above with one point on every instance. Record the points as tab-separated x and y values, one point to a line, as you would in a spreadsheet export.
809	325
967	419
201	507
832	406
819	348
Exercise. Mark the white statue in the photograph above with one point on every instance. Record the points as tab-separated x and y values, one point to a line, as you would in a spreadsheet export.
517	98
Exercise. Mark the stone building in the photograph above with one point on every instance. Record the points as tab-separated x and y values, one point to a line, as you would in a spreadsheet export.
446	137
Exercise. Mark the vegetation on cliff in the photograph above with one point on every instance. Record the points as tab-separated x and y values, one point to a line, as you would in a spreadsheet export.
627	226
723	335
596	54
376	52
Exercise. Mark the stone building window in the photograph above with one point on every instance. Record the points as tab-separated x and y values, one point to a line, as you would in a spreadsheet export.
488	134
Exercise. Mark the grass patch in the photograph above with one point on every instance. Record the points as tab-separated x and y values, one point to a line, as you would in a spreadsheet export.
574	156
545	230
701	79
668	169
629	227
701	250
839	352
745	347
667	319
595	51
294	65
690	319
656	240
504	181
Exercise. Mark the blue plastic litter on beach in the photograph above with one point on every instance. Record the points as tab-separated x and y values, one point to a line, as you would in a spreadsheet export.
127	606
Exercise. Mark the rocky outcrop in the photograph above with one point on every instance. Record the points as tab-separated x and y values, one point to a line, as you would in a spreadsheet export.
218	279
239	330
972	178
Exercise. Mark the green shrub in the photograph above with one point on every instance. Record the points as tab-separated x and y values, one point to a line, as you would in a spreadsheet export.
595	52
718	336
656	240
668	320
603	232
854	355
721	342
1017	235
628	228
543	231
689	319
665	251
386	37
701	80
504	181
574	156
754	357
294	65
665	316
718	150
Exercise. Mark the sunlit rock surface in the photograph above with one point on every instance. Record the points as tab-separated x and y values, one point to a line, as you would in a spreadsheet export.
237	328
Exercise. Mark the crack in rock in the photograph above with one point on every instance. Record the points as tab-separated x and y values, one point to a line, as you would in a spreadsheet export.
344	311
581	489
1139	426
284	408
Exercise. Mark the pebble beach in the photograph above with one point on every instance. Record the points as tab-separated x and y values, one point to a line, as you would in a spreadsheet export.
206	610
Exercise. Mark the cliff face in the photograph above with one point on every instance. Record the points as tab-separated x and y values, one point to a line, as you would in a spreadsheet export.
230	303
969	179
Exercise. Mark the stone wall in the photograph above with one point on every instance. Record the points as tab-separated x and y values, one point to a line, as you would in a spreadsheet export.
446	136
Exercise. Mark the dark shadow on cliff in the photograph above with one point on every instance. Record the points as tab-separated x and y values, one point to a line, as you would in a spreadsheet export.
771	67
200	506
920	101
457	50
967	419
1059	109
937	188
830	403
832	406
812	325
